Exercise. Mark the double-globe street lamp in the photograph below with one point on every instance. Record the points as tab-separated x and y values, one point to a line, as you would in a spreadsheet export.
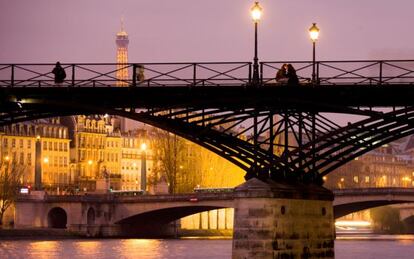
314	34
256	13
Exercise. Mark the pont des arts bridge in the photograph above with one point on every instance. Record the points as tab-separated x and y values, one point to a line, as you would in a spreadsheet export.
282	135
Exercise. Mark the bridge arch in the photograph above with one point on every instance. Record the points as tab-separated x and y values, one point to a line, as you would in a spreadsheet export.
165	215
239	152
345	209
352	200
309	162
159	222
335	148
57	218
409	223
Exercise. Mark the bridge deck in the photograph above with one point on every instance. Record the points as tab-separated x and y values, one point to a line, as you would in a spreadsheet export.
109	198
322	98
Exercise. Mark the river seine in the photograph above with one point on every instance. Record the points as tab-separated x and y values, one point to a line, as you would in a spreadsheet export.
375	247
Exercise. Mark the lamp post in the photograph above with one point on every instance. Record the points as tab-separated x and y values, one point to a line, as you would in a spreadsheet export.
38	164
314	34
256	13
143	167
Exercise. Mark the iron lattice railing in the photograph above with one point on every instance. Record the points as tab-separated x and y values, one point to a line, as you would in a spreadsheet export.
352	72
360	72
111	74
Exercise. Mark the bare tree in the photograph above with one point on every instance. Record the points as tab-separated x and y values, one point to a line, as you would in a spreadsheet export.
10	176
169	153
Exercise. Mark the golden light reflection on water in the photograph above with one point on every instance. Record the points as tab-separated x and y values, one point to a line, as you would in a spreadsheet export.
149	248
88	247
43	249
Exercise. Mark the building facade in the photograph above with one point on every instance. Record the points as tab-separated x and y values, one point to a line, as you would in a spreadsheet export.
136	160
18	145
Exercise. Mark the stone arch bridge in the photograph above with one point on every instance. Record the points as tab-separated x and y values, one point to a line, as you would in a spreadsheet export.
109	215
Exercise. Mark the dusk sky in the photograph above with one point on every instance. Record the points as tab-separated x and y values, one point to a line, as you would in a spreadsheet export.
194	30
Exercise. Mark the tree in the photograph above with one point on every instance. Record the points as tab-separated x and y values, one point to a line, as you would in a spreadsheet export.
10	175
169	157
386	219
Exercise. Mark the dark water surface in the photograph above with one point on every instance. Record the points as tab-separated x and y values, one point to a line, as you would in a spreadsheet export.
375	247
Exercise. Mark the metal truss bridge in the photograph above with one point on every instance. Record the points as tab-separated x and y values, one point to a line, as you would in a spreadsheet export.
270	129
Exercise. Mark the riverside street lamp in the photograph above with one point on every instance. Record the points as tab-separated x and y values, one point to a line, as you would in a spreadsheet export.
256	13
143	167
314	34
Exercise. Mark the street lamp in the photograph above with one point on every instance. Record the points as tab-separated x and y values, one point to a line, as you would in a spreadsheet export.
314	34
143	167
38	164
256	13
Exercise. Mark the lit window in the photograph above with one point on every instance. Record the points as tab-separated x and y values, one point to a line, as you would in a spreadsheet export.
356	180
366	179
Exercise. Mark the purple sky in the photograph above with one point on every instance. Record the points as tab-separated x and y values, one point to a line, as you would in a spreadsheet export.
195	30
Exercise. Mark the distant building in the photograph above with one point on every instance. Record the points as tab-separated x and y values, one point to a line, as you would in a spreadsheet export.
388	166
131	159
18	145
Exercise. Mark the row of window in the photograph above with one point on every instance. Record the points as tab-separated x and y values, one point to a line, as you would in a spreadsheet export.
57	161
96	142
35	130
20	143
95	155
55	146
28	160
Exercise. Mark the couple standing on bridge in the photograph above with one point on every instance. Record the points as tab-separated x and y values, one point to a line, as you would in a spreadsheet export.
287	75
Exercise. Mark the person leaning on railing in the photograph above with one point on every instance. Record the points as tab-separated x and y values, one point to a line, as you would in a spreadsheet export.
140	74
59	73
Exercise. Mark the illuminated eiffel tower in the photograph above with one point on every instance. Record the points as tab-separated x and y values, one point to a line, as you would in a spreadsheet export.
122	56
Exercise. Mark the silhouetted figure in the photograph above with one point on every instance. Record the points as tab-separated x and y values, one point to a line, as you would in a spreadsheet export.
140	75
105	174
281	75
59	73
291	74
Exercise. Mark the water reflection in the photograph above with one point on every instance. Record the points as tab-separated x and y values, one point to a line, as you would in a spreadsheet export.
373	246
149	248
87	247
44	249
117	248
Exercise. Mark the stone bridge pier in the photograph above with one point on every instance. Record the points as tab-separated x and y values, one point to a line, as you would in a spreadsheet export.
274	220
